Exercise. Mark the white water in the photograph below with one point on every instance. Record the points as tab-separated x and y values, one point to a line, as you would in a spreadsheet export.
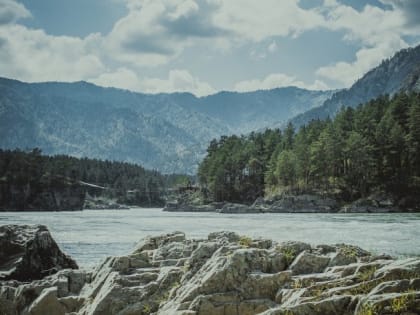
90	235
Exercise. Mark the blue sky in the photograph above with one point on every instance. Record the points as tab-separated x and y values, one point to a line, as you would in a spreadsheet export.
203	46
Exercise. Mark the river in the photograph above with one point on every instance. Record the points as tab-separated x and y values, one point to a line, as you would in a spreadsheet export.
91	235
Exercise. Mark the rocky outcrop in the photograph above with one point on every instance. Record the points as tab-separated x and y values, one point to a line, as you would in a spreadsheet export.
226	274
29	252
103	204
383	203
184	207
305	203
282	204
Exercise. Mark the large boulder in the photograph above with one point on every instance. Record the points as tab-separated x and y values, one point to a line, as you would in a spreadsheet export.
29	252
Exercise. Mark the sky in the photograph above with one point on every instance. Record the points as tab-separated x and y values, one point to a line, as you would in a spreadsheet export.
203	46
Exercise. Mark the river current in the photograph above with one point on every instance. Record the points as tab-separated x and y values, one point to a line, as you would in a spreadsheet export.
91	235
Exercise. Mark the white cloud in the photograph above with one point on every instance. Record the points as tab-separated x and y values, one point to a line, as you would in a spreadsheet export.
33	55
272	48
11	11
257	20
276	80
370	26
177	81
156	32
377	30
410	9
346	73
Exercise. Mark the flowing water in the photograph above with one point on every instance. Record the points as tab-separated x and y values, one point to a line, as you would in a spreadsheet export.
90	235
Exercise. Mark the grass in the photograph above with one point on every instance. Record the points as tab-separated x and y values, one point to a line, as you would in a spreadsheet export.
368	309
245	241
348	251
318	291
399	304
289	254
367	274
147	309
297	284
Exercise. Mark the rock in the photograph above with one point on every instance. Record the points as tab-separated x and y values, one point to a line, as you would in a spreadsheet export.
238	208
29	252
182	207
227	236
304	203
331	306
375	203
225	274
307	263
47	303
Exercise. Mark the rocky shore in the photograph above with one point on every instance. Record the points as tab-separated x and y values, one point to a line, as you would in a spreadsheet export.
223	274
305	203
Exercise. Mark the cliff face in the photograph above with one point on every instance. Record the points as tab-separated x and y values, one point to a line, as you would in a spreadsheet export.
52	195
223	275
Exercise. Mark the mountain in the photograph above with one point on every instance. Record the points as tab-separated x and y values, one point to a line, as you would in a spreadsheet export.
168	132
249	111
399	73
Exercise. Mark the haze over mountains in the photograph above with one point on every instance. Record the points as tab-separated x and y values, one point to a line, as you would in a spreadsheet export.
170	132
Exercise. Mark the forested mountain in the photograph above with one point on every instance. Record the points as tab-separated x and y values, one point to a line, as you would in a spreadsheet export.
250	111
168	132
373	148
399	73
32	181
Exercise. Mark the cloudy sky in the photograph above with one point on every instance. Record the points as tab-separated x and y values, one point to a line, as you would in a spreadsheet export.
203	46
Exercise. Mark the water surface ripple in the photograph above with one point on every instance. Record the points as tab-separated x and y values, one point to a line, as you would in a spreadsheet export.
91	235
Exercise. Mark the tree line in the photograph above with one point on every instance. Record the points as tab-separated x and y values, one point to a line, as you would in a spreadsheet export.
124	182
372	148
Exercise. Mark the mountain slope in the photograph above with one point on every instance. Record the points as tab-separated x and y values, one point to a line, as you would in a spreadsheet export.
246	112
169	132
401	72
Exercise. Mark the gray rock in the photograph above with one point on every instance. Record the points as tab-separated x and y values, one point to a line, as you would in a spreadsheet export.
303	204
47	303
170	275
29	252
237	208
307	263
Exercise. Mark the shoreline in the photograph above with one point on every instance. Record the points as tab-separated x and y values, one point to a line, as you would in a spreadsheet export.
302	203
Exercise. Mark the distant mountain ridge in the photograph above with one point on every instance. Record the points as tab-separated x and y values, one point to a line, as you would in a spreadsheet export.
399	73
168	132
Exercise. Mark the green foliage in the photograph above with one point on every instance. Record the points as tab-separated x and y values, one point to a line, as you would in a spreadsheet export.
367	274
368	309
147	309
245	241
399	304
289	254
36	173
375	147
286	168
